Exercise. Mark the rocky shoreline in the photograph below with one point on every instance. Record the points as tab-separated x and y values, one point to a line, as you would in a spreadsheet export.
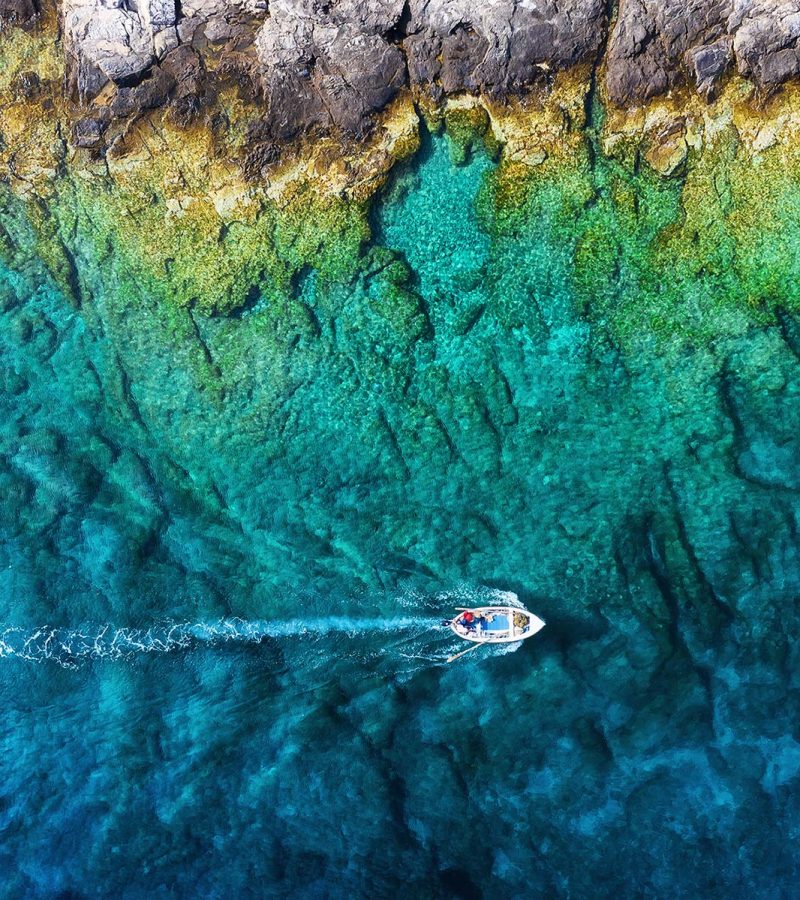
308	66
220	149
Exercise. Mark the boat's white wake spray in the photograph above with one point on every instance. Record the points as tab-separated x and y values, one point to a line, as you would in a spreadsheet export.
69	647
414	640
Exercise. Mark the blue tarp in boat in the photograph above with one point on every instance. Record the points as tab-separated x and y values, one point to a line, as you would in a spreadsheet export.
498	623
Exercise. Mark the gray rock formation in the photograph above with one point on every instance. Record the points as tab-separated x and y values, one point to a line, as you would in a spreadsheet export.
765	42
329	63
499	47
114	41
657	44
110	42
334	63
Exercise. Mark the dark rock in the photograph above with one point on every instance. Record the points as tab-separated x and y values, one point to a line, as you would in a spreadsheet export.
261	151
27	85
17	12
362	75
422	55
335	64
293	105
502	48
651	40
88	132
185	70
708	64
152	93
461	54
84	80
187	29
778	67
240	71
320	68
656	44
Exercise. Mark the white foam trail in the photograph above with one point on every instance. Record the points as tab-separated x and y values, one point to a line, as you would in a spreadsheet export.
468	595
68	647
503	649
463	594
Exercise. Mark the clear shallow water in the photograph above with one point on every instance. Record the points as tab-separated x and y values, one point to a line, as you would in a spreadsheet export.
369	454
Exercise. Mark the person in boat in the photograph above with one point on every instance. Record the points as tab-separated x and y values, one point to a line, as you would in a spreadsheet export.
468	620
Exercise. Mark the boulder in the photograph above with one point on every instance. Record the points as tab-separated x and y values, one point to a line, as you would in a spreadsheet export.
109	40
17	12
659	44
329	64
105	43
708	63
88	132
336	63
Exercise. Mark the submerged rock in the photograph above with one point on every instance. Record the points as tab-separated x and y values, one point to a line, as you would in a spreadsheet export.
669	150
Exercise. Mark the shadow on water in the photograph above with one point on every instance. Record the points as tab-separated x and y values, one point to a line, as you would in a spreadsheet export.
458	884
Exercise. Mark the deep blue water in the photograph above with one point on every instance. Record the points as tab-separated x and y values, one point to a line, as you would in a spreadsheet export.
222	668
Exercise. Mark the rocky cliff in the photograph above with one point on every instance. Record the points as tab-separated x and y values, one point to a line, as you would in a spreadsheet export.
335	64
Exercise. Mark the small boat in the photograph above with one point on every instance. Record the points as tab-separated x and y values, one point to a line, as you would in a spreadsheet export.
496	624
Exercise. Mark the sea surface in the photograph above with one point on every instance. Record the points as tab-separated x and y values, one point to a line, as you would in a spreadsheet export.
222	666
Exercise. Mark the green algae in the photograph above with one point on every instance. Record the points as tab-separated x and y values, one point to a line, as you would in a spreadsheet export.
469	130
196	259
709	251
325	233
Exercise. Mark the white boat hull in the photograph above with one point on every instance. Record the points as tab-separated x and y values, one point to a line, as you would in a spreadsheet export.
497	625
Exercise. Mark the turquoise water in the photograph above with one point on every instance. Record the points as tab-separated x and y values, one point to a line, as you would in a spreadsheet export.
228	543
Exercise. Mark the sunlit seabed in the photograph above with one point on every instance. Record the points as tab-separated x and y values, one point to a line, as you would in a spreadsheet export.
223	667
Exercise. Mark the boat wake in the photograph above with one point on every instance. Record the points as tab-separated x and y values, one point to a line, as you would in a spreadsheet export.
70	647
403	643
